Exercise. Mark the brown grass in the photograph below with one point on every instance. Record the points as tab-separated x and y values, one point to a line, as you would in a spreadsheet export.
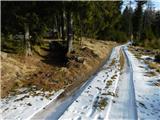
154	65
112	94
102	104
113	62
109	82
150	74
139	51
121	60
114	77
18	71
157	84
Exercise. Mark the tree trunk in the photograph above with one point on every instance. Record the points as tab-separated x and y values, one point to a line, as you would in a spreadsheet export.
59	26
62	25
80	23
27	41
69	32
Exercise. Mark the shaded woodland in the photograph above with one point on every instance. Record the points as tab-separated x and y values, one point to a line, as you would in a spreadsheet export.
26	24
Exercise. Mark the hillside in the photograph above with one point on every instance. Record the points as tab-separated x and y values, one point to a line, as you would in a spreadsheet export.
19	71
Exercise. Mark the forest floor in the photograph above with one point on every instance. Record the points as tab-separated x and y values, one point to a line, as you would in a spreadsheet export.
38	79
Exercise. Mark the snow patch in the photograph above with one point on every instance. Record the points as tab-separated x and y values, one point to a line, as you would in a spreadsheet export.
147	95
24	106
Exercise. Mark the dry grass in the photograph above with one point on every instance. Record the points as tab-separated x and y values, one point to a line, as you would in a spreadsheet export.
102	103
122	61
109	82
150	74
143	51
113	62
154	65
139	51
114	77
136	53
112	94
17	71
99	47
13	69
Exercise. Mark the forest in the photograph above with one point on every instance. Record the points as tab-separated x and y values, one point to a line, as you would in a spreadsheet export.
25	24
80	60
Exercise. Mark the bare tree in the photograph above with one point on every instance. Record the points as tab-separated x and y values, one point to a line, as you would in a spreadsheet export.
69	31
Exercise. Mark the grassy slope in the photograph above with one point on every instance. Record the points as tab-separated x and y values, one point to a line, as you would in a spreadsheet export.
19	71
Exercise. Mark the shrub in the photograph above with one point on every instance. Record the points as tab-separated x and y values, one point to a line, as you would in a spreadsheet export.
118	36
8	44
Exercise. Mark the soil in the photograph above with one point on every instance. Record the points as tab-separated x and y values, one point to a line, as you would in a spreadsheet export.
49	68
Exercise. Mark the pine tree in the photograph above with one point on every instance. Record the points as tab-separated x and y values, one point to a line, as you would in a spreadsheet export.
137	20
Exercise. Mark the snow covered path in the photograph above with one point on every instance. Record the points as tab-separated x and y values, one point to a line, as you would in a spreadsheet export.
108	95
93	99
146	92
125	105
111	94
121	104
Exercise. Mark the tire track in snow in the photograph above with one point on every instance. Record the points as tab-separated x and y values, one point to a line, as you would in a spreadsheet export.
92	112
57	108
132	84
83	103
125	106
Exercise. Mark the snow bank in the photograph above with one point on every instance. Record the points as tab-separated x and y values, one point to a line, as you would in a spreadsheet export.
147	94
24	106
